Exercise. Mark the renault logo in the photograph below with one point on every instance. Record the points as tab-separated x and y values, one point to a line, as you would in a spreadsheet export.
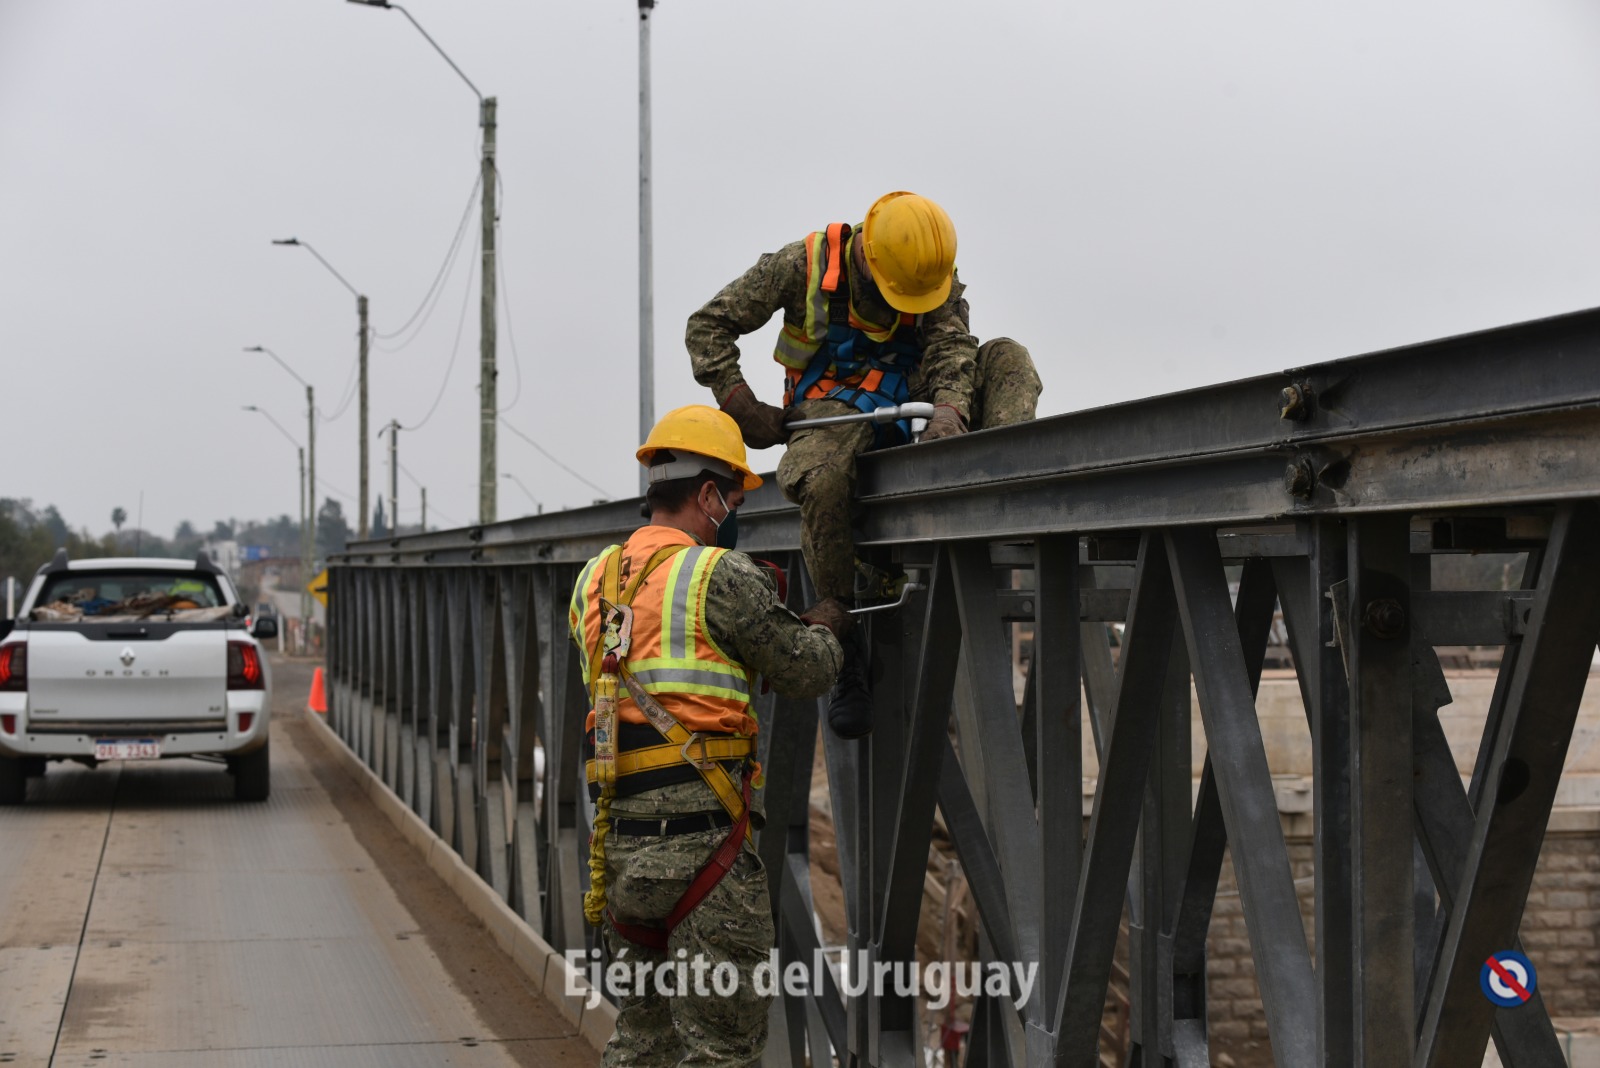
127	657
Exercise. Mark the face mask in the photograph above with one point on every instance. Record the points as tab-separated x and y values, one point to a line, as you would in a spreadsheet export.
727	527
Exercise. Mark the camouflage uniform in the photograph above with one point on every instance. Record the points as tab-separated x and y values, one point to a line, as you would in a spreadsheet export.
993	384
646	875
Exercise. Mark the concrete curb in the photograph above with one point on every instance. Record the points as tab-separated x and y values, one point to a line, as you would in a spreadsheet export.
548	970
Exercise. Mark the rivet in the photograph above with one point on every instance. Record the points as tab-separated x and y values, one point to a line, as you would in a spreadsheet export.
1300	479
1385	618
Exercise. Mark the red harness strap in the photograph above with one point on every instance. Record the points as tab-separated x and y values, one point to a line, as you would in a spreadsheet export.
779	577
705	880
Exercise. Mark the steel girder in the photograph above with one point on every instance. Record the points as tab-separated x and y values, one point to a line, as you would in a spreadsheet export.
1323	490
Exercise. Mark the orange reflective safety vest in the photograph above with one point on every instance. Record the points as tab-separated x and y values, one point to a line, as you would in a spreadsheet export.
672	656
836	353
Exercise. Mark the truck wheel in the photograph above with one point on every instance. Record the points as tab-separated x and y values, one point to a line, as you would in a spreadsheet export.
13	783
252	775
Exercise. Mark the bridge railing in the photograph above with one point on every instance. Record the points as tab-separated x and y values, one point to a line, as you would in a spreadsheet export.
1188	519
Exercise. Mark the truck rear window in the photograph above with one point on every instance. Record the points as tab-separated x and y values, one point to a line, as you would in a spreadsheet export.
94	594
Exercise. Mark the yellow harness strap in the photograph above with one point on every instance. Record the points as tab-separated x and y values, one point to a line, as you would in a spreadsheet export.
679	740
611	590
703	747
716	776
603	689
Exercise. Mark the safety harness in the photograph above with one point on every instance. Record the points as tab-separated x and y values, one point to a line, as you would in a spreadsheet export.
850	365
607	669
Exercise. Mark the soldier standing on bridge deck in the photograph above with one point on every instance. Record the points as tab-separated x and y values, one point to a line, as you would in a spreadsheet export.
672	630
872	316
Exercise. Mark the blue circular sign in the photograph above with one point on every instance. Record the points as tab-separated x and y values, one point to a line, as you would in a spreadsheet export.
1508	979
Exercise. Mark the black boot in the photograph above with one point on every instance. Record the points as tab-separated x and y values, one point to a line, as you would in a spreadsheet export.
850	705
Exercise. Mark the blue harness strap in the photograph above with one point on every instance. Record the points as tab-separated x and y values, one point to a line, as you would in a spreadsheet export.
847	351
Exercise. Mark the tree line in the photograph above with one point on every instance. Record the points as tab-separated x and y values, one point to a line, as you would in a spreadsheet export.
30	536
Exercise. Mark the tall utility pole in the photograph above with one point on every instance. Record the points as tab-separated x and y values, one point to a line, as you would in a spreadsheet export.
311	477
361	430
488	414
306	492
424	490
487	491
647	354
361	356
394	475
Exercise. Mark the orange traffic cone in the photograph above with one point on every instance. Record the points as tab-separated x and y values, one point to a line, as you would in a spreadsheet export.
319	697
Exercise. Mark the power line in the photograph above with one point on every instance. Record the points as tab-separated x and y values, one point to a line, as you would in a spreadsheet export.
511	333
348	395
547	455
436	289
455	349
335	490
404	470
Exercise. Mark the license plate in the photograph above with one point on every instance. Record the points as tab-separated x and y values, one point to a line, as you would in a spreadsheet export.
128	749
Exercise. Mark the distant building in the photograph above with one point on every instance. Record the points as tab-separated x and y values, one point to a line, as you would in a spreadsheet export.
225	554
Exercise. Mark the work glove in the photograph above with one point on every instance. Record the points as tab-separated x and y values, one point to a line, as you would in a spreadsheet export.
946	423
832	614
761	425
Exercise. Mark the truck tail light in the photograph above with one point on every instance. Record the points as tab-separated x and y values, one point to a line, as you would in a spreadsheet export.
8	723
246	721
14	666
244	667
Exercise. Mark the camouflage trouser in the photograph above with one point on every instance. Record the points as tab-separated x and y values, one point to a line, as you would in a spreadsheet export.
818	471
645	879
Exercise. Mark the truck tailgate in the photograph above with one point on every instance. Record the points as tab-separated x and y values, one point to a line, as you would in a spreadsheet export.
180	674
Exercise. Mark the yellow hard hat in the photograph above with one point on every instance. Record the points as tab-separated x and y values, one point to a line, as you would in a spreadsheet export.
910	245
706	432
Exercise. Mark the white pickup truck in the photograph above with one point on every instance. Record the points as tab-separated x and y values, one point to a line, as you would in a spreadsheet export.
133	659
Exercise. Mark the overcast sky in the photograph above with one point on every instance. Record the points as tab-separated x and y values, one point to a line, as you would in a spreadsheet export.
1150	196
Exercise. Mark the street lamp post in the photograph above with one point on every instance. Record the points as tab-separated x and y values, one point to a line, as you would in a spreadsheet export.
305	561
538	508
361	431
647	313
308	530
488	414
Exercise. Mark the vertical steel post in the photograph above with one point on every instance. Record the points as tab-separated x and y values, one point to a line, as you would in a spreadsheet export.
1155	885
1328	571
424	520
486	443
1055	675
1378	645
647	365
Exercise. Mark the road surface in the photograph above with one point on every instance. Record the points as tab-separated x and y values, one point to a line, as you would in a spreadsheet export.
148	920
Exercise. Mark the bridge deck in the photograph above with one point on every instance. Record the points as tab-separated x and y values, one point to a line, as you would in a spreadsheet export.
146	919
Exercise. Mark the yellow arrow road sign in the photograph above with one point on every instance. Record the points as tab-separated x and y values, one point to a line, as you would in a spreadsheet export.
319	587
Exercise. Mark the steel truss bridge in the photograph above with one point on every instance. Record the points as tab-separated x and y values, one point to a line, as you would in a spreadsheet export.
1331	486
